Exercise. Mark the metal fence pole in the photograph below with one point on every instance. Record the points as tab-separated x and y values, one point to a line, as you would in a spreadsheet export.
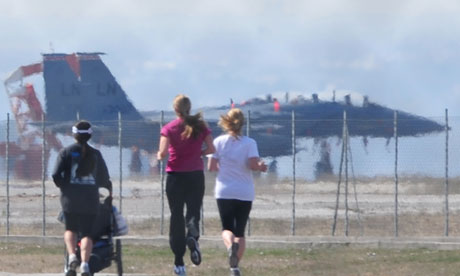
346	141
120	148
293	173
446	230
334	224
7	157
395	133
162	179
248	132
358	211
43	177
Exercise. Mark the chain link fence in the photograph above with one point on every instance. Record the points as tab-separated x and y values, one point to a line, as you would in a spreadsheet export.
344	184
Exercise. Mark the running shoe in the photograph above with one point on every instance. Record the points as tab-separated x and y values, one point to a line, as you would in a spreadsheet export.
72	267
84	268
235	271
195	253
180	270
233	255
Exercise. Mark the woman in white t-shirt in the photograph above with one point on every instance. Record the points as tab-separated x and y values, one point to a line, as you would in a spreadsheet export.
235	158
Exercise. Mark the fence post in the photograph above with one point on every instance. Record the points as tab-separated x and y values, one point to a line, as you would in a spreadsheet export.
334	223
358	211
120	148
7	157
293	173
162	180
248	132
345	125
43	177
446	230
395	134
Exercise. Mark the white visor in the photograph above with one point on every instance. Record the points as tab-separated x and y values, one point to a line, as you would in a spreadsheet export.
76	130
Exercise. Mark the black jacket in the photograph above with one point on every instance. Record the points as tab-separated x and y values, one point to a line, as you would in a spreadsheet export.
80	193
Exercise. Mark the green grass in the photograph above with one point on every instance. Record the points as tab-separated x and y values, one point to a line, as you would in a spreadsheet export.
25	258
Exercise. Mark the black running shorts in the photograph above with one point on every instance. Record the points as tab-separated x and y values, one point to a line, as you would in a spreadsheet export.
234	215
80	223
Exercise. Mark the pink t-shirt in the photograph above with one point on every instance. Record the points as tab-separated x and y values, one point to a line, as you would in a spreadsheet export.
184	155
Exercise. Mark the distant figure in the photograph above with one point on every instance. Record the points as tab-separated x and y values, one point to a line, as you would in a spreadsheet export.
235	157
232	104
323	167
269	98
80	171
183	138
366	101
276	105
136	164
315	98
348	99
273	166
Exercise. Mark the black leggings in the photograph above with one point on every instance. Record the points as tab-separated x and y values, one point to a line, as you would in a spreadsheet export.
234	215
184	188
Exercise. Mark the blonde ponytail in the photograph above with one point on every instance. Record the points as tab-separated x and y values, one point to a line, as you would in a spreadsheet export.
232	122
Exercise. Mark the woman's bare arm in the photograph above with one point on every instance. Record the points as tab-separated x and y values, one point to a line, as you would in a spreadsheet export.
256	164
213	164
209	146
163	148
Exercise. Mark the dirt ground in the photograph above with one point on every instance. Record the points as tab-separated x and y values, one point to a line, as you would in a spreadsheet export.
370	212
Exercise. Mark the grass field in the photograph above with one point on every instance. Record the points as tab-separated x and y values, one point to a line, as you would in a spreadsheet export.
26	258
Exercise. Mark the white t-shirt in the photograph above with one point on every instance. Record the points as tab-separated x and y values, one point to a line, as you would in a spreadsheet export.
234	179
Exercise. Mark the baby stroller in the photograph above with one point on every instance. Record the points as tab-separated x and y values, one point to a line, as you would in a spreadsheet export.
105	248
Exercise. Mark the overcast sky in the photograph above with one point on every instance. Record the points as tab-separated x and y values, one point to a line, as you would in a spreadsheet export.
402	54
